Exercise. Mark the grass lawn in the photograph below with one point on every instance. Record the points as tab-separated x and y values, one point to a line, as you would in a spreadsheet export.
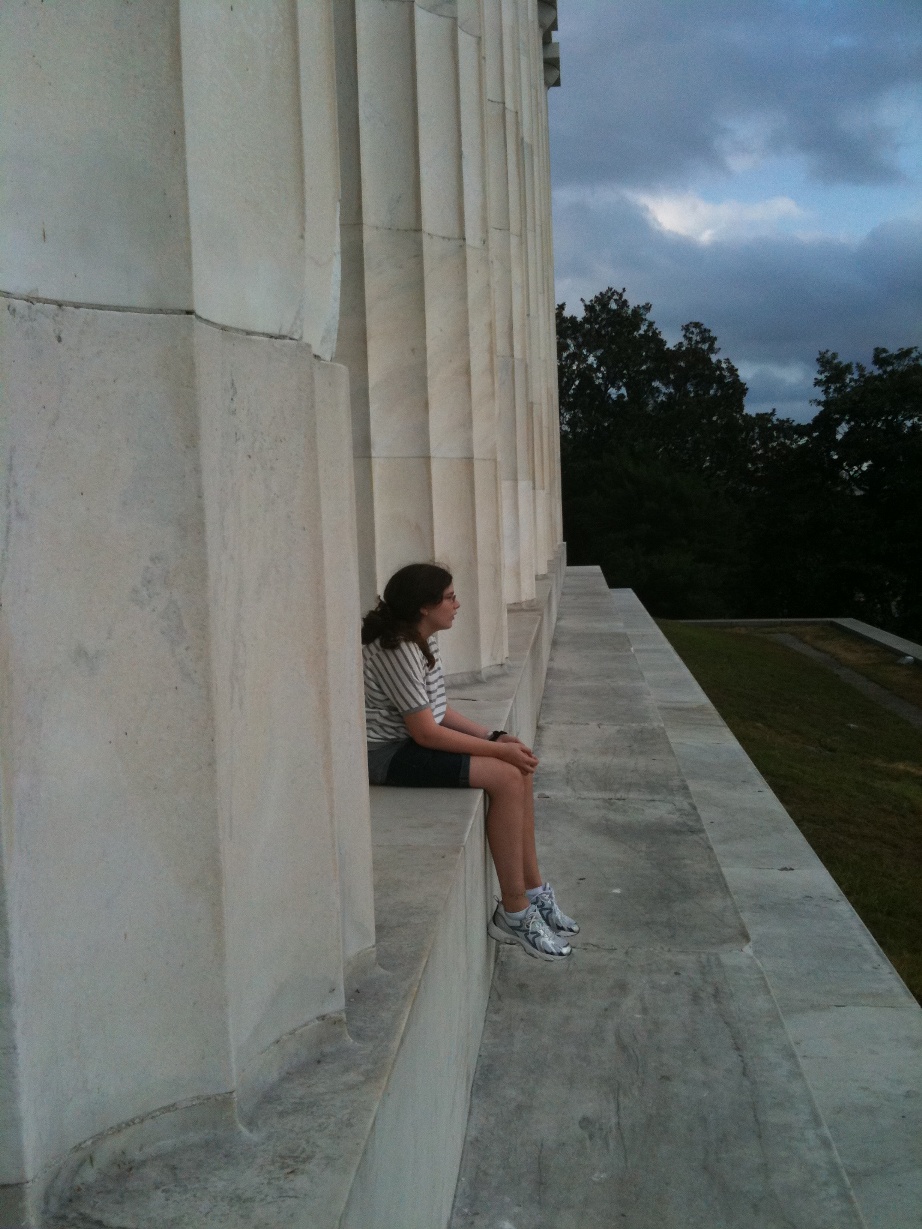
848	772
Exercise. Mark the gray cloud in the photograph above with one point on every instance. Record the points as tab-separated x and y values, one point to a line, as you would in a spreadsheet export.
773	302
658	94
657	90
787	390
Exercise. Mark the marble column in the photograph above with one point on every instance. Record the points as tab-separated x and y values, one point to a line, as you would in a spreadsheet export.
263	192
507	269
484	403
447	321
464	487
544	336
410	101
555	513
396	479
499	249
113	1000
523	493
529	34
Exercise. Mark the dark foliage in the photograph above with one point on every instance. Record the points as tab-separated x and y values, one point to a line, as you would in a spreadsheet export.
706	510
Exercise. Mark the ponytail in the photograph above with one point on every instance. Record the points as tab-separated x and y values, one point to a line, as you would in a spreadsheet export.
376	622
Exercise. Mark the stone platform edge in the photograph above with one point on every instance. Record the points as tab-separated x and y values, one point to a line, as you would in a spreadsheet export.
854	1026
886	640
368	1133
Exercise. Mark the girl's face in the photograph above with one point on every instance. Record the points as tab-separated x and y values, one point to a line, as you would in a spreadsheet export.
441	617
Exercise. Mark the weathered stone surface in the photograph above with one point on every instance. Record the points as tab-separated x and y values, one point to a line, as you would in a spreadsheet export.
95	192
605	761
813	946
111	842
650	1091
643	872
863	1065
593	702
650	1081
748	827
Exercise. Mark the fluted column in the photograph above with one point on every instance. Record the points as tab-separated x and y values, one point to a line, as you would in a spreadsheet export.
263	191
397	479
524	422
500	262
448	324
509	277
485	421
555	514
416	296
112	916
528	43
548	22
543	287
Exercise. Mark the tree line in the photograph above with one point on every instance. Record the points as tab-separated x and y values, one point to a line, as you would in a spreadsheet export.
708	511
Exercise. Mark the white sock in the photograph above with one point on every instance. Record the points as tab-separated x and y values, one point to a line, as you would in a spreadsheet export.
534	893
517	917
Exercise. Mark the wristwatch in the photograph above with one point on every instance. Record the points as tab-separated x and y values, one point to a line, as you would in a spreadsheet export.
497	734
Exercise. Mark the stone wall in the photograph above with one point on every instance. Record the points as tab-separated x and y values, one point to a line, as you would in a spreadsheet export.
277	319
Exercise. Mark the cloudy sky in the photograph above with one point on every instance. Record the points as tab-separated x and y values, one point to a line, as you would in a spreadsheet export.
754	164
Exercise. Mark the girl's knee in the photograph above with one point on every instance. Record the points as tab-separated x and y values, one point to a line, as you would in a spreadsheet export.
495	776
509	780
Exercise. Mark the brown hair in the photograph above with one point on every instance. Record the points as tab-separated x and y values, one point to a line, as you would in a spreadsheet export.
398	613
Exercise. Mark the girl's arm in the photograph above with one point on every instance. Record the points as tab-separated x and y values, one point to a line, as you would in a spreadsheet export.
457	721
453	720
425	730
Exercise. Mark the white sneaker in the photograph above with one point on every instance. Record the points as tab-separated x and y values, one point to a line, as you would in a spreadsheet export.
557	921
531	931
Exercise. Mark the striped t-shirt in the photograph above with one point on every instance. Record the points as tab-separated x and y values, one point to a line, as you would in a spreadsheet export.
397	681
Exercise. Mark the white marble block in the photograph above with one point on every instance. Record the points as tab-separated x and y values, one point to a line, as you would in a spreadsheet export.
111	852
272	738
95	200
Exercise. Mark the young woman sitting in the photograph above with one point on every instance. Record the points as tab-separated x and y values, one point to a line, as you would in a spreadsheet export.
415	739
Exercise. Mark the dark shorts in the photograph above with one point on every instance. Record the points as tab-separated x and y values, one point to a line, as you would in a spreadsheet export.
422	767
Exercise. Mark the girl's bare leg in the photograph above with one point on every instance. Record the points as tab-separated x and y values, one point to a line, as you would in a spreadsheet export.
507	819
533	877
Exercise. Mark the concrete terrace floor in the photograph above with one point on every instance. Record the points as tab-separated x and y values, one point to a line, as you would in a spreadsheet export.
728	1048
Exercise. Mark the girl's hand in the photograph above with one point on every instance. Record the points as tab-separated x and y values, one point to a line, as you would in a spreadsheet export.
511	738
517	754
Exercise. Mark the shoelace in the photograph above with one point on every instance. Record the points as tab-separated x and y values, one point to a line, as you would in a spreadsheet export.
547	898
537	926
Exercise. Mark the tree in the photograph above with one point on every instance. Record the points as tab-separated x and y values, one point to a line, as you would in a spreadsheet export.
867	434
704	509
656	446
